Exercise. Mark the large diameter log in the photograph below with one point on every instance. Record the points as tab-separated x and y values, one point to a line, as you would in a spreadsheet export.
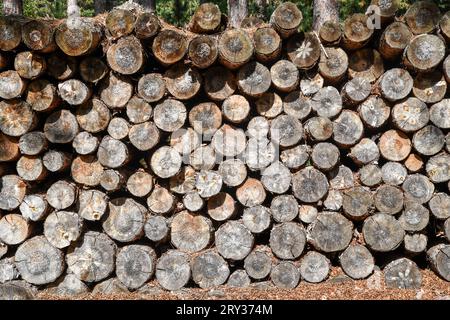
419	54
303	50
61	194
38	262
61	127
286	19
147	25
86	170
439	258
29	65
233	240
119	22
394	145
126	56
12	192
31	168
287	240
34	207
382	232
209	269
61	228
235	48
14	229
422	17
92	204
309	185
76	37
42	95
115	90
314	267
394	40
169	46
330	232
11	33
92	258
267	44
11	84
206	19
9	148
357	262
396	84
173	270
38	35
285	275
135	265
356	31
333	64
190	232
402	274
429	140
182	81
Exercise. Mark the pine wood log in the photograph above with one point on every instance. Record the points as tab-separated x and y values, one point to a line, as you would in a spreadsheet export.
402	274
285	275
415	243
348	129
140	183
235	48
144	136
126	56
160	201
86	170
307	213
430	87
74	92
29	65
318	128
356	32
229	141
147	25
330	32
357	203
439	205
394	173
206	19
303	49
233	240
182	81
138	110
285	76
209	269
38	262
156	228
440	113
236	108
258	128
61	228
169	46
220	83
190	232
192	201
389	199
205	118
203	158
394	145
61	127
208	183
364	152
387	10
203	51
287	240
370	175
267	44
12	192
333	65
92	204
444	26
11	84
382	232
422	17
309	185
258	263
34	207
396	84
269	105
165	162
61	67
33	143
394	40
79	36
367	64
251	193
357	262
113	180
410	115
295	157
257	219
314	267
414	217
221	207
276	178
31	168
418	187
286	130
93	69
419	55
356	91
135	265
374	112
233	172
297	105
42	96
110	286
115	90
330	232
169	115
62	194
284	208
253	79
85	143
151	87
259	154
4	61
438	168
286	19
438	257
327	102
119	23
312	83
251	22
12	33
118	128
429	140
325	156
92	258
173	270
14	229
414	163
57	161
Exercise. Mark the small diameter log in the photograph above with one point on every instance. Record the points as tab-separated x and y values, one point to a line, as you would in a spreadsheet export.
258	263
333	65
419	54
11	84
439	258
125	221
267	44
119	22
295	157
84	260
325	156
61	194
396	84
276	178
286	19
38	262
34	207
12	192
415	217
61	67
92	204
173	270
209	269
118	128
233	172
327	102
208	183
422	17
221	207
182	81
236	108
257	219
220	83
140	183
33	143
31	168
269	105
394	145
147	25
286	130
341	178
251	193
394	40
348	129
309	185
115	90
374	112
259	154
144	136
169	46
393	173
139	110
93	69
415	243
330	232
170	115
444	26
439	206
112	153
285	76
74	92
330	32
357	203
388	199
357	262
307	214
233	240
203	51
402	274
311	83
446	68
205	118
414	163
78	36
253	79
438	168
112	180
446	230
206	19
229	141
161	201
287	240
165	162
314	267
258	128
410	115
135	265
387	10
11	36
29	65
303	49
364	152
440	114
284	208
85	143
156	228
57	161
235	48
382	232
418	187
126	56
86	170
318	128
356	32
430	87
366	64
190	232
42	96
429	140
151	87
356	91
192	201
14	229
370	175
61	127
61	228
285	275
297	105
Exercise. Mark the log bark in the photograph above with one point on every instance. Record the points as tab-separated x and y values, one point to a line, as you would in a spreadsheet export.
203	51
169	46
147	25
62	194
233	240
287	240
209	269
14	229
429	140
11	84
78	36
74	92
92	204
190	232
356	32
382	232
160	201
173	270
286	19
221	207
115	90
61	228
29	65
34	207
258	263
422	17
394	40
330	232
285	275
419	56
257	219
220	83
206	19
135	265
267	44
357	262
119	23
314	267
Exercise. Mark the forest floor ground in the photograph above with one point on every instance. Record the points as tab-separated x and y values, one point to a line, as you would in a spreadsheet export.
337	287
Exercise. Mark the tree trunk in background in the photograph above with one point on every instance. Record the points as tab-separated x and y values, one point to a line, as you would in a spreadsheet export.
237	11
262	5
73	10
324	10
12	7
100	6
149	4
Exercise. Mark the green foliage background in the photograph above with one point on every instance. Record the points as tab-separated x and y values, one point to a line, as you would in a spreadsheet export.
179	12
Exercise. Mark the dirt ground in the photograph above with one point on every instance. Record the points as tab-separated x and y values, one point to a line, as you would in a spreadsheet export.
337	287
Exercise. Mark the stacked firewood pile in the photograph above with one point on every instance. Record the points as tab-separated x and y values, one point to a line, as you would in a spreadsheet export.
131	150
